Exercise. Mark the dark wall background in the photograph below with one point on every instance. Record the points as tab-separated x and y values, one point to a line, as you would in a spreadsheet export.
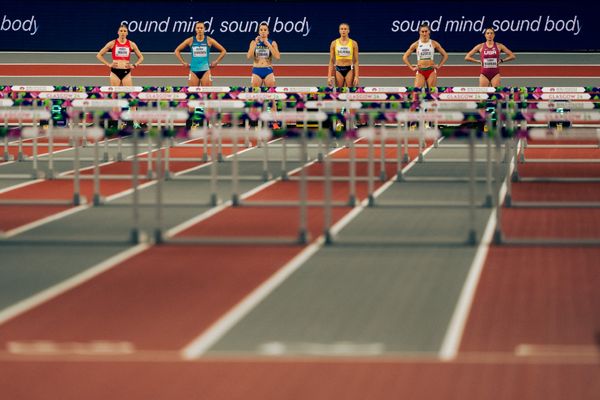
308	26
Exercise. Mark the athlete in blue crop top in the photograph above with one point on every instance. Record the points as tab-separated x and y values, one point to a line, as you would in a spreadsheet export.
262	50
200	48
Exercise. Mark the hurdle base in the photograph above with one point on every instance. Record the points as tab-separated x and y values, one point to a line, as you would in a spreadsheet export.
98	200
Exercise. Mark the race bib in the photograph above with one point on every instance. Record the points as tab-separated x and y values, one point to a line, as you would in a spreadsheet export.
199	51
122	51
344	51
426	54
262	52
490	63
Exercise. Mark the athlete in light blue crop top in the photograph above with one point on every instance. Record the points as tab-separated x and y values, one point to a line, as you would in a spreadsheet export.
200	48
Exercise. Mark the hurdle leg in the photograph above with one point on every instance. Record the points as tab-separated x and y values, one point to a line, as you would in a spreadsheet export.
34	156
119	149
488	171
352	181
76	167
136	234
472	237
105	156
50	173
399	151
284	174
158	230
303	236
382	172
150	172
20	154
97	196
266	175
235	179
371	172
214	197
498	187
328	200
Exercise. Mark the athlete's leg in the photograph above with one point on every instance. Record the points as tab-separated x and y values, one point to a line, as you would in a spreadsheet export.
495	82
483	81
432	80
206	79
256	81
114	80
269	80
127	81
349	80
193	79
339	79
419	80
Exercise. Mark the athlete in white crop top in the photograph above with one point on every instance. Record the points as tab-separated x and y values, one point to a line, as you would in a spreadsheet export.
426	68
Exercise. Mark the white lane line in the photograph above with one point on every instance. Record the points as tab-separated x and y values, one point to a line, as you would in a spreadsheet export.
209	213
66	285
214	333
452	338
345	220
45	220
65	213
20	185
197	347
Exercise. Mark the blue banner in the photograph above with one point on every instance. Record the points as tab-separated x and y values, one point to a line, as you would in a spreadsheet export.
296	27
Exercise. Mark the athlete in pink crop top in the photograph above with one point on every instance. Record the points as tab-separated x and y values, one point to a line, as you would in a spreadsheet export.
489	59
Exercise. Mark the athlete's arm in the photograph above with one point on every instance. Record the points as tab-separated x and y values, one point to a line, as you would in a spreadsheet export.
103	51
331	68
441	50
138	53
213	43
274	49
251	49
509	54
355	62
408	52
469	56
186	43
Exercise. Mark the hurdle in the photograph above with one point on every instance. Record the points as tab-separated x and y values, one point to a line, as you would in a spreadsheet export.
4	131
70	133
235	134
331	106
22	116
158	117
294	116
378	134
592	134
583	118
562	119
213	109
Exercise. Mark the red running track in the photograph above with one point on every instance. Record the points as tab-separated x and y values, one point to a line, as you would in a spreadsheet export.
14	216
173	293
297	380
543	300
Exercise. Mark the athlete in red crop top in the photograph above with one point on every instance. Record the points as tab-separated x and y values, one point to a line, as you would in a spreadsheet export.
489	59
120	68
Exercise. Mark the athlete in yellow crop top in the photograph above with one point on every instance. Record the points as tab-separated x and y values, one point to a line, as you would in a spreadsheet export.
343	60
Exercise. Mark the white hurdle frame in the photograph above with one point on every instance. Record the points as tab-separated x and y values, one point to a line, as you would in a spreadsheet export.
235	134
554	134
32	116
